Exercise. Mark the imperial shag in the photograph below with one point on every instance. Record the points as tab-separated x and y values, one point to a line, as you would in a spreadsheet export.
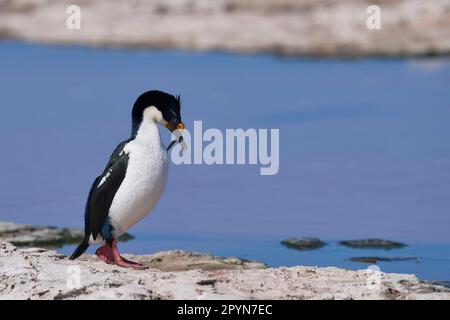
134	178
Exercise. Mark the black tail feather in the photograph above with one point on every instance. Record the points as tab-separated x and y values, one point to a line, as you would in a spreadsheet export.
82	247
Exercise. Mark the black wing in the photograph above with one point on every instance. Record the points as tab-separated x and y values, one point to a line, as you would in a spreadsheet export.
103	191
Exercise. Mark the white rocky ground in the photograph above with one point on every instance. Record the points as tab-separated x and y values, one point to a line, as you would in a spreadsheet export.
41	274
294	27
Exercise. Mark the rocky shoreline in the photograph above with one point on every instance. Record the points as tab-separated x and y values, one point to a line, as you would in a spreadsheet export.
24	235
284	27
35	273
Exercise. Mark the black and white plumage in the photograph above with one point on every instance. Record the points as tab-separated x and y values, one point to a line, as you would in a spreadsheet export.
134	178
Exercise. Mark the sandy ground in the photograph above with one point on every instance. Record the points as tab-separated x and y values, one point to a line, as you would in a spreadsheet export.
287	27
42	274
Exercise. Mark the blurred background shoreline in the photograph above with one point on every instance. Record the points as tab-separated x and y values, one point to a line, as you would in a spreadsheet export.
316	28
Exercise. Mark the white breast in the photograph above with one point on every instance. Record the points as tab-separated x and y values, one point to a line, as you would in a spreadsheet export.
143	185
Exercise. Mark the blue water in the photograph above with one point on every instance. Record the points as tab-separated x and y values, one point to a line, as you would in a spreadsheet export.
364	149
433	260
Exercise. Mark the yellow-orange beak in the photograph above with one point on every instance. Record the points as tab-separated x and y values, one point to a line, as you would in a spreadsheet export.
177	132
180	126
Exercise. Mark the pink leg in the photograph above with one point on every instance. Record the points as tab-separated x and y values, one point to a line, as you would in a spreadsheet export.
130	262
122	262
105	254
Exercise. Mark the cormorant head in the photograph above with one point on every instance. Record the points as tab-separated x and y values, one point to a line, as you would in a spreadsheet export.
161	107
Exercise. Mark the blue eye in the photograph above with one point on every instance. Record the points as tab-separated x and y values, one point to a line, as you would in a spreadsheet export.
174	122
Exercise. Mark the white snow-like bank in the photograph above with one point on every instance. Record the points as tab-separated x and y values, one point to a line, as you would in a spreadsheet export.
286	27
42	274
